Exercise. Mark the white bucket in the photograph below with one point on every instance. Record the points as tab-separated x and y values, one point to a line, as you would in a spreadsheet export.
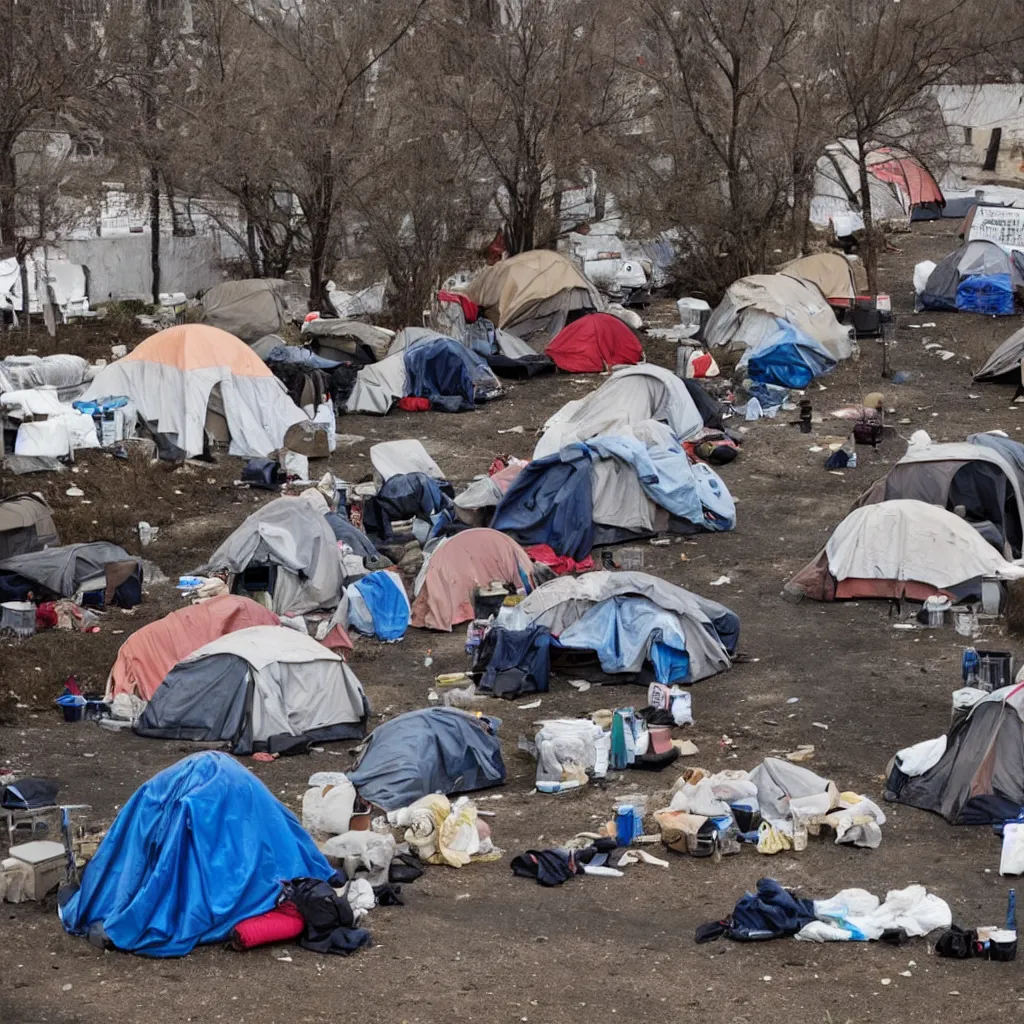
936	606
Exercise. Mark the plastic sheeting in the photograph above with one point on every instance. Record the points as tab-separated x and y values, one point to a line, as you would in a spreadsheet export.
197	848
433	750
388	607
448	374
787	358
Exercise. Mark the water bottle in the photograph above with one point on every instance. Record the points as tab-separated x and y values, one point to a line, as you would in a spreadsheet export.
969	667
1011	911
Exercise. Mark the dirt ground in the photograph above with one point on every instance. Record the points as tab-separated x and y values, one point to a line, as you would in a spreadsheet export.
479	944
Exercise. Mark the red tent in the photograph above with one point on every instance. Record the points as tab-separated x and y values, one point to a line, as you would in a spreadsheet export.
594	342
908	175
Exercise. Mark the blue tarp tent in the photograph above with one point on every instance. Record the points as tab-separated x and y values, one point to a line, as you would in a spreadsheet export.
991	294
198	848
550	502
449	374
788	358
433	750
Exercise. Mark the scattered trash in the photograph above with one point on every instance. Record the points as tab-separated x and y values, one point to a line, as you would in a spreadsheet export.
802	753
529	707
820	725
75	492
512	430
722	580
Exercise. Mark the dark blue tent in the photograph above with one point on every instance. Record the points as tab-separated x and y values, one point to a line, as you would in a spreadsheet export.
434	750
551	502
449	374
198	848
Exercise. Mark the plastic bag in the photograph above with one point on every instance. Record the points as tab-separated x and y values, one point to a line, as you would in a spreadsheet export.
328	804
771	841
326	421
1012	860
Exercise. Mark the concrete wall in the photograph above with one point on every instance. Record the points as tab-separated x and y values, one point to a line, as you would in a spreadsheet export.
119	267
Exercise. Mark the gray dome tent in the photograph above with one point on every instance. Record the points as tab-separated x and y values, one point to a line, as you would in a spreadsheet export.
980	776
1004	365
978	258
262	688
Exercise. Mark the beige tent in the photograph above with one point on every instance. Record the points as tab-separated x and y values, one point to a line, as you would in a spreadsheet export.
533	294
332	338
26	524
246	309
838	278
747	315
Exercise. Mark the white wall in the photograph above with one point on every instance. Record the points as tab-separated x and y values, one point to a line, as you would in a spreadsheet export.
119	267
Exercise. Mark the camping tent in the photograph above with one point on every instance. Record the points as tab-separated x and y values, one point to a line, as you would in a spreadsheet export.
263	688
192	379
440	369
901	548
150	653
287	550
458	566
976	476
749	315
979	776
836	276
610	489
1004	365
247	309
196	849
533	294
432	750
331	338
26	524
955	282
628	618
594	343
59	572
629	396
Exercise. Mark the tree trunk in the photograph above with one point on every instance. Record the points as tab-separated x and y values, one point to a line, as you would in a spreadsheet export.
154	231
8	189
869	254
250	247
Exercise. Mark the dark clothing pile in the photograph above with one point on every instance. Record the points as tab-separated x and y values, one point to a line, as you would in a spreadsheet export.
330	921
514	662
406	496
556	866
770	913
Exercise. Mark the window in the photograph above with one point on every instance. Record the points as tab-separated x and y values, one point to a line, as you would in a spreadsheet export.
968	136
992	154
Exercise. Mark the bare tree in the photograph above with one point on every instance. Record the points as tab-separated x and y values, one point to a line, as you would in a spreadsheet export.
534	87
885	58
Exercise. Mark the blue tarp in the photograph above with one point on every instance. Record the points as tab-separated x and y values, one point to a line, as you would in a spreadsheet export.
991	294
433	750
387	604
551	502
447	373
197	848
622	630
788	358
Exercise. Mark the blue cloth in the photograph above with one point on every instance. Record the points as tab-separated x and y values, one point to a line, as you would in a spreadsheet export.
300	357
433	750
718	505
770	913
665	474
515	661
386	603
197	848
991	294
788	358
551	502
621	631
447	373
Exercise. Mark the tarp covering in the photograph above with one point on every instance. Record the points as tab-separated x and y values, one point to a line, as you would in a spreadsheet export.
62	570
259	688
908	175
710	630
751	306
460	564
627	398
977	258
786	358
336	339
384	598
291	535
378	386
903	547
197	848
534	292
833	273
170	376
26	524
550	502
433	750
151	652
979	779
593	343
449	374
247	309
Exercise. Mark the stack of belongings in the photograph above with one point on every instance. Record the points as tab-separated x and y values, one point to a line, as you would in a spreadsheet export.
309	377
98	574
461	318
775	807
345	340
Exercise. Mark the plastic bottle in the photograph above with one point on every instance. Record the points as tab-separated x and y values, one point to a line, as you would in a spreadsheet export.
969	667
1011	911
